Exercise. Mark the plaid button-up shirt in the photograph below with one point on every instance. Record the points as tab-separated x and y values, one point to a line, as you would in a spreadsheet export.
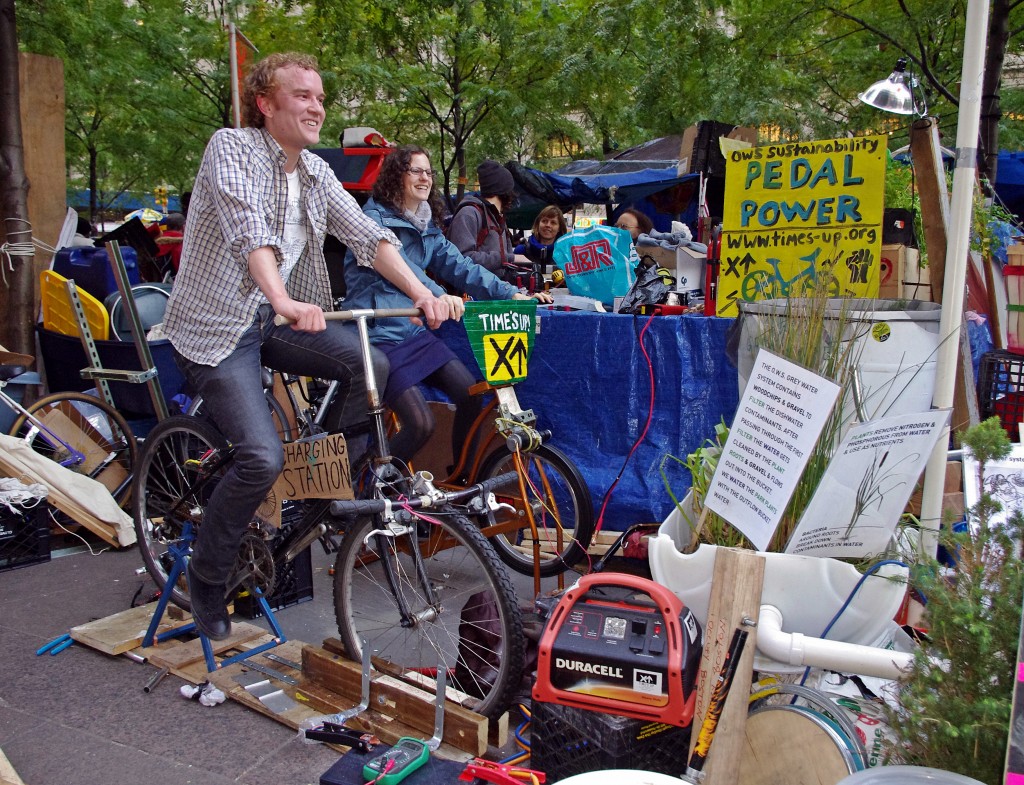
238	205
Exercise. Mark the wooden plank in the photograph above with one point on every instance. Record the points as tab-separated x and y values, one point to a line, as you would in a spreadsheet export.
8	776
123	631
183	653
931	184
735	596
463	729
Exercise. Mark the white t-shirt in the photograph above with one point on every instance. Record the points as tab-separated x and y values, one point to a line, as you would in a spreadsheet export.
294	226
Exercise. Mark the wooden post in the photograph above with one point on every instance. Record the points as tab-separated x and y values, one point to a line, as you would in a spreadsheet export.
931	182
735	597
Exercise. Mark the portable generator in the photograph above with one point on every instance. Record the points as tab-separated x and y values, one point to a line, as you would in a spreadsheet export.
621	644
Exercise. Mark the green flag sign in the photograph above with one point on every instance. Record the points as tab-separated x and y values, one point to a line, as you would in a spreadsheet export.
501	336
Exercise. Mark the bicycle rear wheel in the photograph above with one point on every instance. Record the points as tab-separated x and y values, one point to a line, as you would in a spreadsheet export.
561	505
182	460
472	624
88	425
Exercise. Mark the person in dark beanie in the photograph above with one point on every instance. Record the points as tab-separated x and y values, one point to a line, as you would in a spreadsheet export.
478	227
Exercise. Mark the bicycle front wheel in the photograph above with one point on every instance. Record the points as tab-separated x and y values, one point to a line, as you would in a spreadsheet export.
562	511
182	460
85	434
452	605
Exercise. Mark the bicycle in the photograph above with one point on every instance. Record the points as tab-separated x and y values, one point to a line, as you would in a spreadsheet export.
80	432
547	517
414	577
761	284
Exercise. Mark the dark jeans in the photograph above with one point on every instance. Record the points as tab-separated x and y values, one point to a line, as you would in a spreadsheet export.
233	397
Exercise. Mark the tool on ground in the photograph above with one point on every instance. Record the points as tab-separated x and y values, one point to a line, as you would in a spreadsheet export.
624	645
56	646
157	677
500	773
409	753
715	705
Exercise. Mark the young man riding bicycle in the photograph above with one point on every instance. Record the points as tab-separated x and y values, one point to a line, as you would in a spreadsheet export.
253	249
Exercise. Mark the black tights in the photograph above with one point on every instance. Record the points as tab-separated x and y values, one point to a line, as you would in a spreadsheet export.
416	419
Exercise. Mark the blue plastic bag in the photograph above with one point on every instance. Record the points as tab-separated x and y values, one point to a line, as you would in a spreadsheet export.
598	262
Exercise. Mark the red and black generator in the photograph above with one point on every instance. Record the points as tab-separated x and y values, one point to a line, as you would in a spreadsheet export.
621	644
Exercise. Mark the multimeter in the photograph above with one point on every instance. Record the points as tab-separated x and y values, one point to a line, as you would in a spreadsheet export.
397	763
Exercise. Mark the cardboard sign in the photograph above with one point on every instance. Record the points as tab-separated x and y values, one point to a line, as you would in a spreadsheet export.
780	416
315	468
501	335
796	209
866	486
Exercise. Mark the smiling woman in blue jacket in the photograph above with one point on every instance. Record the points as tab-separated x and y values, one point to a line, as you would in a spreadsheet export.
405	202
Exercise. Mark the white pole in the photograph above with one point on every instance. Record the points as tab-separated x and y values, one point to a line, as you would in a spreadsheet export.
957	248
236	102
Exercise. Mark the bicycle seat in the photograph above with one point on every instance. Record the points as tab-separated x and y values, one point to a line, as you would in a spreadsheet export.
13	364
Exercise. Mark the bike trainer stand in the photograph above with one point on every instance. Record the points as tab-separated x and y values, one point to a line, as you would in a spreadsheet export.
180	550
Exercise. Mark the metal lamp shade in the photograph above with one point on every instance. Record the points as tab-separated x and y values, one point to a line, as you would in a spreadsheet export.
892	94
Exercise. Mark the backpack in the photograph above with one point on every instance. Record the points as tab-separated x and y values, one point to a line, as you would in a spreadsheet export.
517	275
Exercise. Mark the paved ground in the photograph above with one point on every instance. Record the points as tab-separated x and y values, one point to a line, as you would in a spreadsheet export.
82	718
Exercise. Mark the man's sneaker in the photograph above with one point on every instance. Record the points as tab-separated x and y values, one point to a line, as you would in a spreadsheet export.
209	608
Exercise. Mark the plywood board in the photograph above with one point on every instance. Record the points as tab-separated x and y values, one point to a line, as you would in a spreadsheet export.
179	654
123	631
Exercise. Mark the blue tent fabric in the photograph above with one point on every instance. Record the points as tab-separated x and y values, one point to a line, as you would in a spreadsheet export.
589	384
618	187
1009	183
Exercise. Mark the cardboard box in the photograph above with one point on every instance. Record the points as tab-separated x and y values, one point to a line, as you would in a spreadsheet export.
690	268
662	257
952	491
901	276
700	151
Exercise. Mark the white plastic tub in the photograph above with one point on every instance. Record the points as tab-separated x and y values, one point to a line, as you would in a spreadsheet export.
807	590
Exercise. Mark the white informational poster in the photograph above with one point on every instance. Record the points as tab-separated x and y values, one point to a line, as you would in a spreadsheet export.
1004	481
866	486
780	416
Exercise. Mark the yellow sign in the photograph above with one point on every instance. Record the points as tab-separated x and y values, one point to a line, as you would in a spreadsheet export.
315	468
797	210
505	355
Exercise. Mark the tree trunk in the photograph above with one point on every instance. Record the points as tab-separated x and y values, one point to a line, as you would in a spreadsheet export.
16	297
995	55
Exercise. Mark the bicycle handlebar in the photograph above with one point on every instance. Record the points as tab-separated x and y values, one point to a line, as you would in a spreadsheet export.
373	506
347	316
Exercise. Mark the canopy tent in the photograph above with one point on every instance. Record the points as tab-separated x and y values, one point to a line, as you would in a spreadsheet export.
666	192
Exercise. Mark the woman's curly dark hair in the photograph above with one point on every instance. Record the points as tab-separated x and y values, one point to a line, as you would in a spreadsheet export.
389	190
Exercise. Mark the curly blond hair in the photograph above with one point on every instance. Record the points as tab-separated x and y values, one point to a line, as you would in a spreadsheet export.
262	81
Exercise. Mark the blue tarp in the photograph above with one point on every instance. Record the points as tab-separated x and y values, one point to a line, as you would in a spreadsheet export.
1010	181
589	384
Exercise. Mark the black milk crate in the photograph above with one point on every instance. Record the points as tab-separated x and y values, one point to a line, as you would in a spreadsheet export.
1001	389
293	583
24	536
565	741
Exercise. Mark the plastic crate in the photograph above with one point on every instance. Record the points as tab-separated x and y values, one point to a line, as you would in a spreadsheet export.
1001	390
24	536
294	581
565	741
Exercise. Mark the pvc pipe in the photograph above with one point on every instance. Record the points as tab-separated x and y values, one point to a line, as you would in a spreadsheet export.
794	648
957	247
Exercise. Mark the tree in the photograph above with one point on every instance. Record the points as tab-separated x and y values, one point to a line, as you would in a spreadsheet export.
436	71
15	301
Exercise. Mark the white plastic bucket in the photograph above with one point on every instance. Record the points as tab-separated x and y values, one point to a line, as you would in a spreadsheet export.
897	341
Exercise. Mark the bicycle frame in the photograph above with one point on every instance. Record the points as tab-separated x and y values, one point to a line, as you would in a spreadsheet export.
75	457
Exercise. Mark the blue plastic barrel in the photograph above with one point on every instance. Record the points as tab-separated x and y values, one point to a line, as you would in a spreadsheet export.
90	267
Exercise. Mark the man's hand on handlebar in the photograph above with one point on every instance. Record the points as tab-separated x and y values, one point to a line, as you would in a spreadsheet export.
306	317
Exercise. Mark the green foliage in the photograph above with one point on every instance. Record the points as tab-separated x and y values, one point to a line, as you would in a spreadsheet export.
954	705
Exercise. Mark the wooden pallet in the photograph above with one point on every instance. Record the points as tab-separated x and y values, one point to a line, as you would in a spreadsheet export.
326	682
